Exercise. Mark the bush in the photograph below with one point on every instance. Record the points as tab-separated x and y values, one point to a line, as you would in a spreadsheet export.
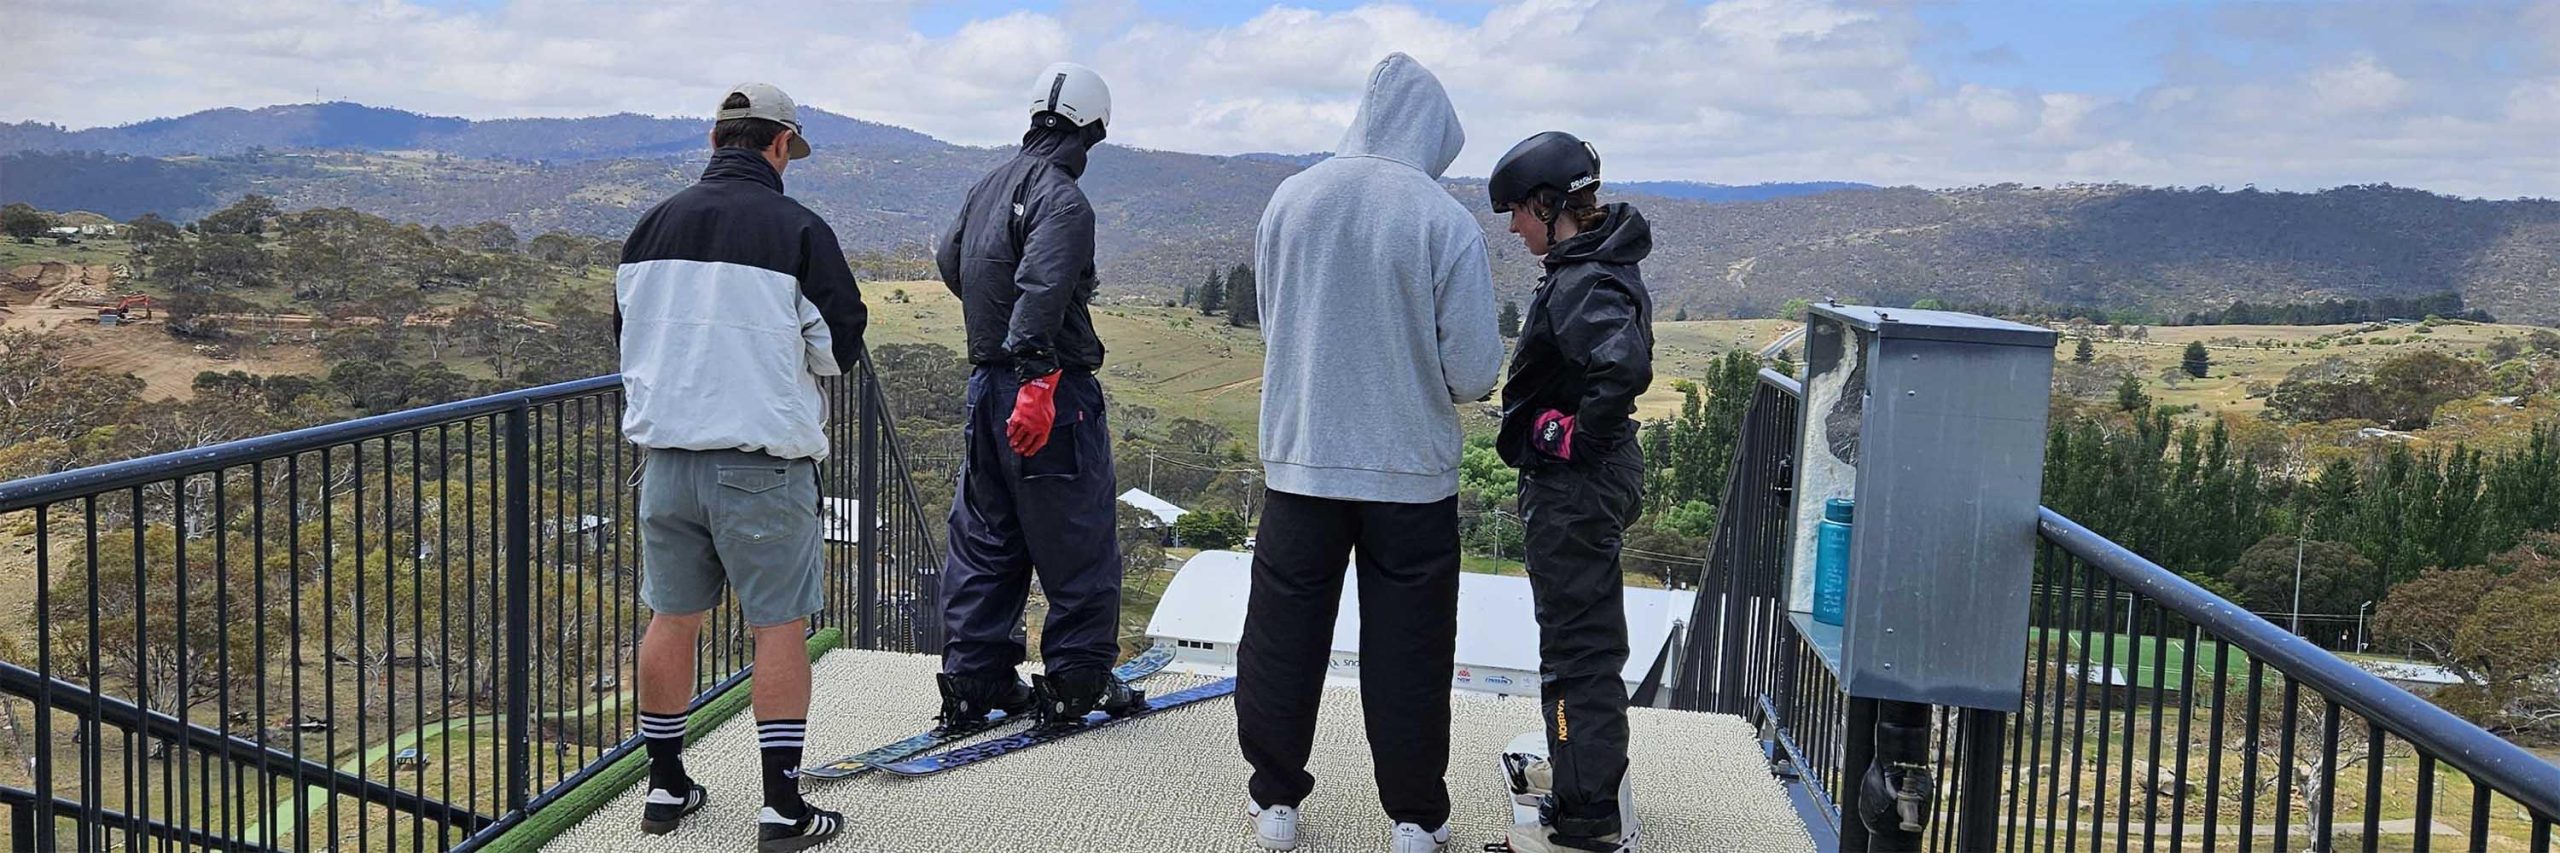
1209	531
2401	391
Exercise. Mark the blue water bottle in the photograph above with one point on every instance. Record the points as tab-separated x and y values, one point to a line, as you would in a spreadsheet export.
1831	561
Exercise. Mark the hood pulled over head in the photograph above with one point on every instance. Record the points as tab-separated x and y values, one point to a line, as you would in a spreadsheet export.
1405	116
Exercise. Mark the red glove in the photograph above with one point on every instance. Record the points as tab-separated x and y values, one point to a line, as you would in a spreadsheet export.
1035	409
1553	434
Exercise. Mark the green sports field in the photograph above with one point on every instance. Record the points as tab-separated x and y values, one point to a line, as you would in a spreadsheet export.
2152	663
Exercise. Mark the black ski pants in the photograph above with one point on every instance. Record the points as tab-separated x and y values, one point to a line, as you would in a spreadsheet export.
1053	514
1408	571
1574	514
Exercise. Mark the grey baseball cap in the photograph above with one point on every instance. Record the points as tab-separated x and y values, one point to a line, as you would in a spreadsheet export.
768	103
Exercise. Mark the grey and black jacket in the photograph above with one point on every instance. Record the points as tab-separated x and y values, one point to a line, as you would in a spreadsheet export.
731	301
1020	257
1586	343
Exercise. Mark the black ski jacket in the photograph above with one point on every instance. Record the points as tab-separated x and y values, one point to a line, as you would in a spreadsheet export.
1020	257
1586	343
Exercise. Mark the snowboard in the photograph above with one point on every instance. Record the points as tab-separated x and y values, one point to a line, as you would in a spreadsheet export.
1019	741
1147	663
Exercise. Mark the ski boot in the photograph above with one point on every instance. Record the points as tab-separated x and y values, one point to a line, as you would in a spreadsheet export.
966	700
1531	782
1067	697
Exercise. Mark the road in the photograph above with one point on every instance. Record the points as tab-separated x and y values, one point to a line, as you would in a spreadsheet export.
1784	341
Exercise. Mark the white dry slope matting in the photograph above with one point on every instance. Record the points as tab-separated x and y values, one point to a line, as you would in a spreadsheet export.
1173	783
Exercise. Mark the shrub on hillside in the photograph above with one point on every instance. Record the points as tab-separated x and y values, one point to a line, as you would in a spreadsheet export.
2402	391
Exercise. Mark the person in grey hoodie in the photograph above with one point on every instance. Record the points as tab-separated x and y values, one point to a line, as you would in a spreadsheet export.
1378	321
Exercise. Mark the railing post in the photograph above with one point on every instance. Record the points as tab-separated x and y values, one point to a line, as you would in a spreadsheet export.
22	825
1857	750
519	626
867	510
1978	810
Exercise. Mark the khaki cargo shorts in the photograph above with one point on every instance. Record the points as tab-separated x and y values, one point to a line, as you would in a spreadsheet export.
749	520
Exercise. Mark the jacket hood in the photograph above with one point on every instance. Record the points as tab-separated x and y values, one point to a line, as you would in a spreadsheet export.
1405	116
1064	146
740	164
1623	238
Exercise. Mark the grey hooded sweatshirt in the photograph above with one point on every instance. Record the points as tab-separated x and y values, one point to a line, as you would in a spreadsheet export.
1377	306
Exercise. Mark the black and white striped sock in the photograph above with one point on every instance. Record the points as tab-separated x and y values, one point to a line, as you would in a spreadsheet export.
663	735
781	742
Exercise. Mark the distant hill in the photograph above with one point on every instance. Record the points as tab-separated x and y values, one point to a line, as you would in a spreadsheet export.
1695	191
1167	217
1299	160
356	127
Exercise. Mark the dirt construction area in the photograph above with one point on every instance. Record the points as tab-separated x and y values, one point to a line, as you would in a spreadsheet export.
64	299
45	295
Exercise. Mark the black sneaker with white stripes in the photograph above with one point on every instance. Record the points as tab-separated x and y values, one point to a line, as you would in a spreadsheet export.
662	811
778	834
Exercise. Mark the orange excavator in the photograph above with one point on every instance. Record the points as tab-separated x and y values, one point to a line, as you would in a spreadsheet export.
122	311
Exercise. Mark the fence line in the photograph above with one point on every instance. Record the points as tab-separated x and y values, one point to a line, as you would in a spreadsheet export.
407	631
2153	712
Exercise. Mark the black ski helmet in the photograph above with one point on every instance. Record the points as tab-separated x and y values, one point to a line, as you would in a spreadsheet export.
1543	168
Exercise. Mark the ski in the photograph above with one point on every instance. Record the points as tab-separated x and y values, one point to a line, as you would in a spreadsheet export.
1019	741
1145	664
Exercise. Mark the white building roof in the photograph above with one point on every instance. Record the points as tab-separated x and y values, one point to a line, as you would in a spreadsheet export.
1497	626
2409	671
838	520
1164	510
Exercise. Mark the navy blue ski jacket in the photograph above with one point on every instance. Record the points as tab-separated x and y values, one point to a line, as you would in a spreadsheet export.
1020	257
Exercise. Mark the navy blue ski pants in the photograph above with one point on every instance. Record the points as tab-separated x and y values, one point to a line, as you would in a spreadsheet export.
1052	513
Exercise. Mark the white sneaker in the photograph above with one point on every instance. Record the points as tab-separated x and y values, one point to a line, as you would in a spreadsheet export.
1412	838
1276	827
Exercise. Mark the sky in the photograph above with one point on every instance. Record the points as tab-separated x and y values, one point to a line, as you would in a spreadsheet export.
2457	97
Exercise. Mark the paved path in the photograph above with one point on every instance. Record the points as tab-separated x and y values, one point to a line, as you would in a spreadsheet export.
1784	341
290	812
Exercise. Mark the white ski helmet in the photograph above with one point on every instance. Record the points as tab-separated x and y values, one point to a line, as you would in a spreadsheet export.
1074	92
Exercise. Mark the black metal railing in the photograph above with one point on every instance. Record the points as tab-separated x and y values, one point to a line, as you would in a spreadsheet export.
402	632
2154	715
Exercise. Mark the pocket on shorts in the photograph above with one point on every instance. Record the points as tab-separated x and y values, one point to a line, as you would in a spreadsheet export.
756	501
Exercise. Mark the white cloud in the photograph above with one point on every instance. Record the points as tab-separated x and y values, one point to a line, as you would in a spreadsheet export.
2462	99
2359	85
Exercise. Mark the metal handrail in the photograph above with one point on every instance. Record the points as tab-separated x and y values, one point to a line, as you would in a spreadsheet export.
2492	762
2456	741
20	681
100	479
1782	381
515	785
22	805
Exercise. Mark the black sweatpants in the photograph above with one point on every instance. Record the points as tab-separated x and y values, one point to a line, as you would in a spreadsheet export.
1574	513
1408	570
1053	514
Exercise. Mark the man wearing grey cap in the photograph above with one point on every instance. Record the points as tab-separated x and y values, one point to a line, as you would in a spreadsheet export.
731	302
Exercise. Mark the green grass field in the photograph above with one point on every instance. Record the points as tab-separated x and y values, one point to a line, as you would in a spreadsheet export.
91	250
2248	355
2151	663
1185	364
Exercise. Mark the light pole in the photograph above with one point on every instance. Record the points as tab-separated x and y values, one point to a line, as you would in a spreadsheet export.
2360	625
2297	585
2298	537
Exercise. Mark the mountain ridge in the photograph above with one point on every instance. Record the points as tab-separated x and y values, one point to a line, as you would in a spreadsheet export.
1167	217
